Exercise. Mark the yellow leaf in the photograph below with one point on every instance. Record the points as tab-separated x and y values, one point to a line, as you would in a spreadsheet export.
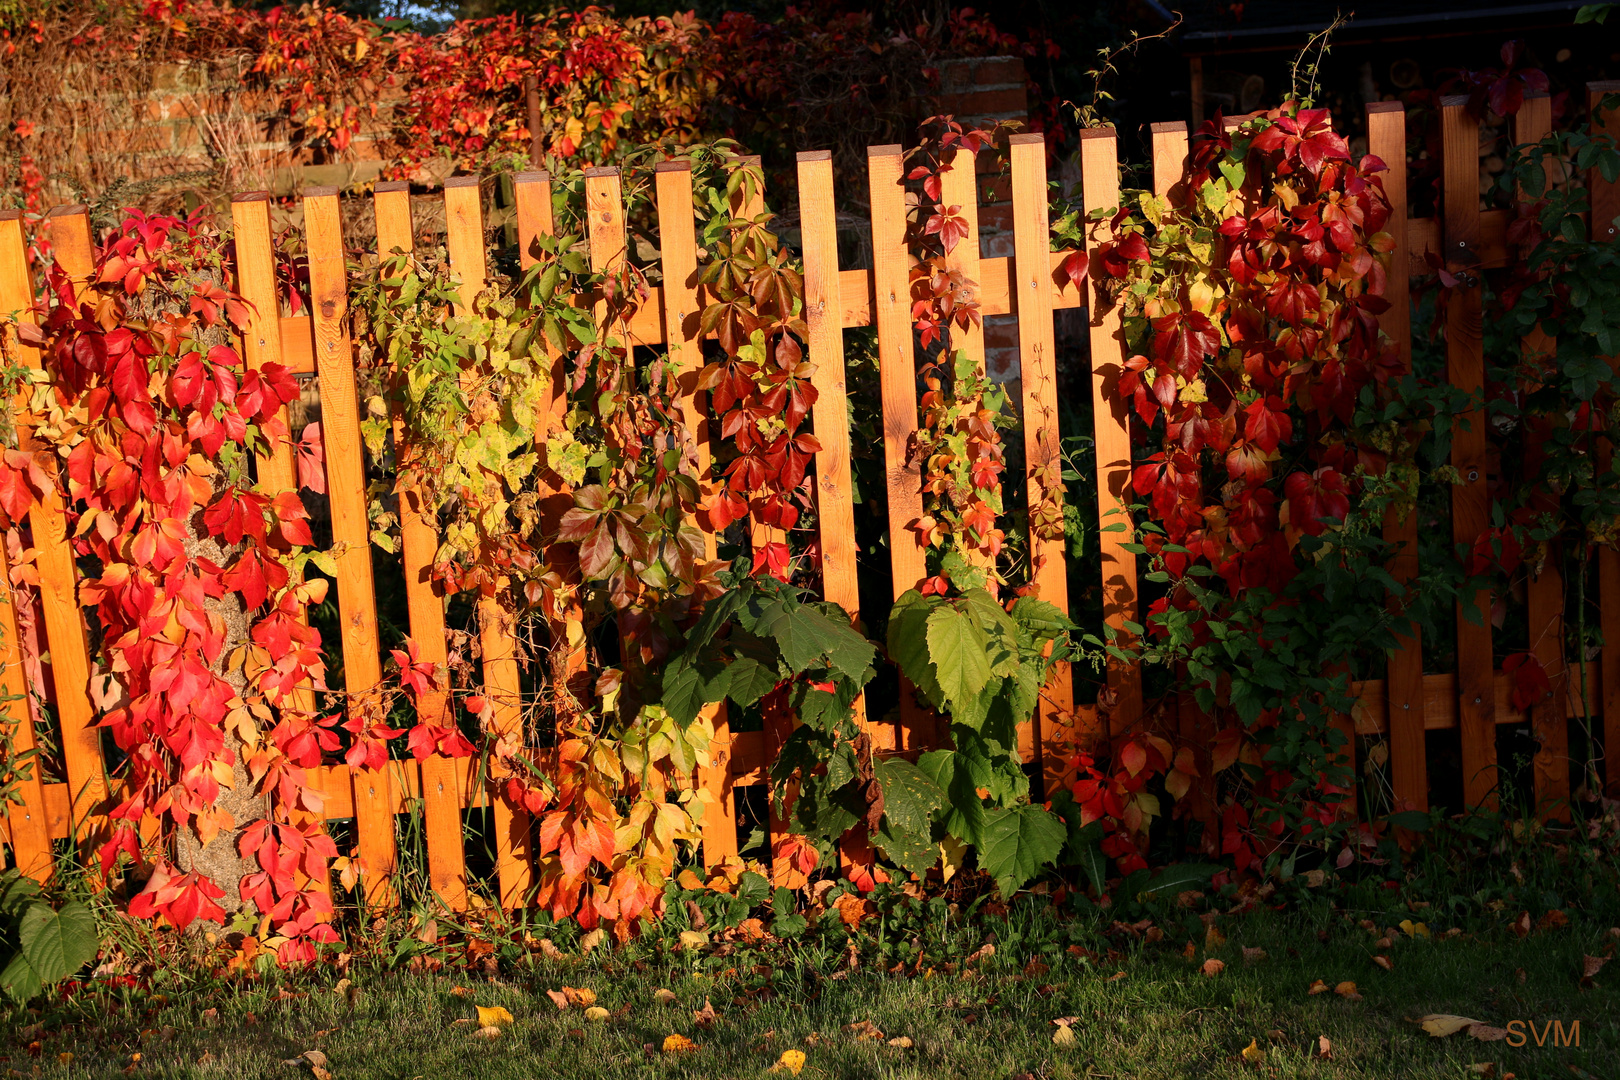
1318	987
790	1062
1064	1035
1439	1025
694	939
1347	990
596	1013
492	1016
1408	927
678	1044
1252	1052
579	996
487	1033
664	997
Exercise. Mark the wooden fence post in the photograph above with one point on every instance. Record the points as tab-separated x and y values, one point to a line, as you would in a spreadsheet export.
1605	203
59	590
1470	501
897	371
419	542
1050	731
683	311
1403	693
1099	179
351	530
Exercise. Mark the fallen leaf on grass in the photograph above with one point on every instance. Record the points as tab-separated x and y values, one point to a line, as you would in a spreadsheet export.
492	1016
1064	1035
1347	990
864	1029
1252	1053
1482	1068
984	952
664	997
591	940
1415	930
902	1042
1213	967
1253	956
706	1016
1486	1033
1213	938
460	991
790	1062
678	1044
1384	962
1553	920
1318	987
1324	1049
597	1014
1440	1025
852	909
1590	966
487	1033
1383	943
1521	925
694	939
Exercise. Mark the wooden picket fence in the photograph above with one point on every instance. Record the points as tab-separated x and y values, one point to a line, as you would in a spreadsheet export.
1402	707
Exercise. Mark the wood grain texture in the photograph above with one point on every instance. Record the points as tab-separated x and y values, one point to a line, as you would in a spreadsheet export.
346	495
442	825
261	345
1545	591
1470	500
1605	199
1408	750
1050	731
26	824
834	490
683	308
897	372
1099	179
514	848
69	230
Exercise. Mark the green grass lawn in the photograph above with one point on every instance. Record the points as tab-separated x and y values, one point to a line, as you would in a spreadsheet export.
1141	1008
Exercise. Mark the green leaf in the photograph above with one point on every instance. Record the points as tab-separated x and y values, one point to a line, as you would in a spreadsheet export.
750	680
913	851
57	943
20	980
683	692
908	643
964	810
957	651
1179	878
1018	842
910	797
799	633
16	891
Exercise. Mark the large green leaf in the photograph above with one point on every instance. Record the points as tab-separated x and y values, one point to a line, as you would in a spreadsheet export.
964	810
801	634
957	651
750	680
910	798
1018	842
999	630
682	696
915	852
908	642
20	980
58	943
16	891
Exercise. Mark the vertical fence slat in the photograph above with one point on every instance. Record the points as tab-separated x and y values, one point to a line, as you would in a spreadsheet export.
1099	178
959	188
1470	501
346	494
1605	203
58	592
261	345
834	488
677	242
1403	686
897	371
1549	722
30	836
419	541
514	866
1043	455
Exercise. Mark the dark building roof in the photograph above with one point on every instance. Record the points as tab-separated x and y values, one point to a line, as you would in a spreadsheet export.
1240	23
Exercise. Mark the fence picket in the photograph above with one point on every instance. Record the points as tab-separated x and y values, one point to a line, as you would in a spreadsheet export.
419	541
69	229
897	367
677	242
1545	591
1470	501
26	824
834	487
514	848
1099	180
1408	765
261	345
1605	203
346	494
1050	731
